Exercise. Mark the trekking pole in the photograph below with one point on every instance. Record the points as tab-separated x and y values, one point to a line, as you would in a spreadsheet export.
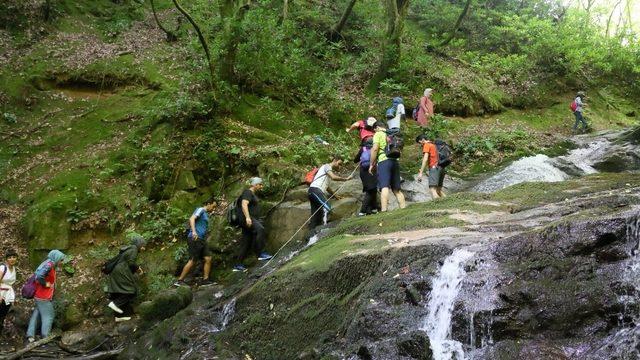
308	219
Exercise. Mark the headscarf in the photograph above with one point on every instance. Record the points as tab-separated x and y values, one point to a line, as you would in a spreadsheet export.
56	256
138	241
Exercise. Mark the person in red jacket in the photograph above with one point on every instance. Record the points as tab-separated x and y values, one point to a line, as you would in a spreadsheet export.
45	287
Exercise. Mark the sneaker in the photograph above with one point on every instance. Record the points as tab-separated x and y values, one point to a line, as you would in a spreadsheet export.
115	308
123	318
239	267
264	256
30	340
207	282
180	283
361	214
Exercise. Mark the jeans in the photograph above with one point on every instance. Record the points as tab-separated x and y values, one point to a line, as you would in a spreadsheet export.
45	313
579	119
252	237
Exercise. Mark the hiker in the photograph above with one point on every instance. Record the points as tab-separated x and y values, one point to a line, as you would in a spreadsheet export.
436	172
395	114
369	181
7	279
121	284
577	105
425	108
44	313
197	243
253	234
384	157
319	187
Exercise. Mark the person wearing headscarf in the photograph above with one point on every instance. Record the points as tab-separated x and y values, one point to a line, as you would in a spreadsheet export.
45	287
7	279
121	283
425	111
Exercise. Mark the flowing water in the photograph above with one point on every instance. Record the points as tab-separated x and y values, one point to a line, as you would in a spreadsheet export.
445	288
545	169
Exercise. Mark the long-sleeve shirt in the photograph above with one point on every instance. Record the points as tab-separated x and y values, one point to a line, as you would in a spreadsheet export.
45	273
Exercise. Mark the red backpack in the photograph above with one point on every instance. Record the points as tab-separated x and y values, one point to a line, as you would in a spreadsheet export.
573	106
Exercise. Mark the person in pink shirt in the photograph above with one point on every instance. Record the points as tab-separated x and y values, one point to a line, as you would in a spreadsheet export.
426	108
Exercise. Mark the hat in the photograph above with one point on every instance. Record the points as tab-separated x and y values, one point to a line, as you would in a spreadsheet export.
428	91
255	181
371	121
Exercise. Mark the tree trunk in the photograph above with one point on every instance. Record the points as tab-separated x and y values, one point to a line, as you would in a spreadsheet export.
395	10
610	16
171	37
201	37
232	13
464	13
285	10
337	29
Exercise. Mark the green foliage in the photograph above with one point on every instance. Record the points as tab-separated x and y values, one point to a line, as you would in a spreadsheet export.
10	118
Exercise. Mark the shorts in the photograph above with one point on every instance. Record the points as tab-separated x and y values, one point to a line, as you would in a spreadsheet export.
389	174
436	176
198	249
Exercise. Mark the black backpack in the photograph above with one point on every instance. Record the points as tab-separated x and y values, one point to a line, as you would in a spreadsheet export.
444	153
107	267
232	213
395	144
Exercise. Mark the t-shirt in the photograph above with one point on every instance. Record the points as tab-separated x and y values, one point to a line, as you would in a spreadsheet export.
395	122
380	138
433	153
6	283
254	210
578	104
321	180
364	132
202	222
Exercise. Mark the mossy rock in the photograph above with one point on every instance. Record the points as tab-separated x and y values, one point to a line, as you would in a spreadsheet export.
47	227
166	304
73	315
186	180
184	200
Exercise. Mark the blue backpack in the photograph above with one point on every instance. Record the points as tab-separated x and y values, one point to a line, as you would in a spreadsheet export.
365	157
391	112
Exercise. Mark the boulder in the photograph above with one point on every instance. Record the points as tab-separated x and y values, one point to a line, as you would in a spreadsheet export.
166	304
186	181
414	345
284	221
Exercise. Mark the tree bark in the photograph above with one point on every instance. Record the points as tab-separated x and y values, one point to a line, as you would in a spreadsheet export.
285	10
610	16
33	345
395	10
171	37
201	37
232	13
463	14
337	29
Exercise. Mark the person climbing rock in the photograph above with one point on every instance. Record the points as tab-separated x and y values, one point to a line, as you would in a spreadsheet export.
319	188
121	283
7	279
395	114
388	168
253	233
578	105
425	108
44	313
436	173
363	157
197	244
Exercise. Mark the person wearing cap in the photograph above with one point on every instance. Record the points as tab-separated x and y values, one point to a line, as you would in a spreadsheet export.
197	244
578	112
318	189
44	313
121	283
369	181
388	169
425	111
7	279
253	234
365	129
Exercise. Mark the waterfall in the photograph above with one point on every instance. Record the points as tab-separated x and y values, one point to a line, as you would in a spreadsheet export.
228	311
445	288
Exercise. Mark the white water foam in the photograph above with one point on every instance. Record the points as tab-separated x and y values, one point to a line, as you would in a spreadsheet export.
532	168
445	288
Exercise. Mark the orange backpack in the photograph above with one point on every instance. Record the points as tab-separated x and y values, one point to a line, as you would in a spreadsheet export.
308	179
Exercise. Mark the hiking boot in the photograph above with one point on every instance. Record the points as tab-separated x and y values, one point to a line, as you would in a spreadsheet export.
264	256
239	267
180	283
123	318
115	308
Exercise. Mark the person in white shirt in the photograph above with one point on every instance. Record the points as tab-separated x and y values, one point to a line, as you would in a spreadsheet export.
319	187
398	114
7	279
578	112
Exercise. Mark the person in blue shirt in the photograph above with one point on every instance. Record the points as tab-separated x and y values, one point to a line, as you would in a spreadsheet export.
197	243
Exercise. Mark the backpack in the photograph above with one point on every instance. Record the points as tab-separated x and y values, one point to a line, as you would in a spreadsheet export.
414	113
573	106
444	153
308	178
391	112
29	287
107	267
393	150
365	156
232	214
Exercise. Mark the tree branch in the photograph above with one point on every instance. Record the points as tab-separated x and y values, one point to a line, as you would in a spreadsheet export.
171	37
458	23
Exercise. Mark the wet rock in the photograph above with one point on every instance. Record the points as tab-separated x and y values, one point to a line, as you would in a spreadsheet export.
415	345
82	340
166	304
364	353
413	296
344	208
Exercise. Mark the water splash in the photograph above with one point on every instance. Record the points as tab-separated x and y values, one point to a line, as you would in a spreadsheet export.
445	288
